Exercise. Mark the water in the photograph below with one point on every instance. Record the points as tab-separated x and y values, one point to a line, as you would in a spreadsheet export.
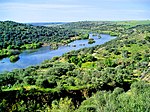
35	57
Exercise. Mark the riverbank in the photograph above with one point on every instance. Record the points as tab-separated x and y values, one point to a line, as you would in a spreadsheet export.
37	56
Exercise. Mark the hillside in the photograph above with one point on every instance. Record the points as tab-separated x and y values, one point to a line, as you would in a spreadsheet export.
111	77
17	36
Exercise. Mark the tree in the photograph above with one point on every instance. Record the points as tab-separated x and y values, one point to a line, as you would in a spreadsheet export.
147	38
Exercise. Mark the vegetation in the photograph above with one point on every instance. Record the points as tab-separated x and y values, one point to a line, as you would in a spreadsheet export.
91	41
113	77
14	58
17	36
118	100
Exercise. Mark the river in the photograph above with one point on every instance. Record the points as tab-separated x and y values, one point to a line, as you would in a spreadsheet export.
35	57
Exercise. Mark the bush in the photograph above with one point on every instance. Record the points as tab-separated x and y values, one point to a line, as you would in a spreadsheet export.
91	41
147	38
14	58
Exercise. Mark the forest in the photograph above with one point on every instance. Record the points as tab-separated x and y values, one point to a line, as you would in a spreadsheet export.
113	77
15	37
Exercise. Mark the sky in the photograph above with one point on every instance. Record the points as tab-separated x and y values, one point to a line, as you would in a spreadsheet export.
73	10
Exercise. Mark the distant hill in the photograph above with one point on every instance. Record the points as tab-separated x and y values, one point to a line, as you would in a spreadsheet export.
47	23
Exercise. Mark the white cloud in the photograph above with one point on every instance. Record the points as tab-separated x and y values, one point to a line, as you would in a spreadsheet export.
69	10
4	6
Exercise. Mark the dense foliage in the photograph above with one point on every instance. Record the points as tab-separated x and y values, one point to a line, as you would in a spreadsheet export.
22	36
113	77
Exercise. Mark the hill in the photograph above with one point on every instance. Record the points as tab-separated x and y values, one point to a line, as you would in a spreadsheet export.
111	77
47	23
17	36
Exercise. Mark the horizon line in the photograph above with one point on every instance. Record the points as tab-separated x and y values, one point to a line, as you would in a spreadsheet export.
75	21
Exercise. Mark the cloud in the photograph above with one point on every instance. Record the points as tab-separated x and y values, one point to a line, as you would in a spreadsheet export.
4	6
72	10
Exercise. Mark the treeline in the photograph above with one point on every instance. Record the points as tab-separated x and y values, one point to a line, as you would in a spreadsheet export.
105	78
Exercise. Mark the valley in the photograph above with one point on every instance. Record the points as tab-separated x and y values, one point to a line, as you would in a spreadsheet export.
112	76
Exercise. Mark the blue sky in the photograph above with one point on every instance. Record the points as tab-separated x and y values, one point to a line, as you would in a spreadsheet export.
73	10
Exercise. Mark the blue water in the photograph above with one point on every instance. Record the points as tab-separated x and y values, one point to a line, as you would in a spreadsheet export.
35	57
